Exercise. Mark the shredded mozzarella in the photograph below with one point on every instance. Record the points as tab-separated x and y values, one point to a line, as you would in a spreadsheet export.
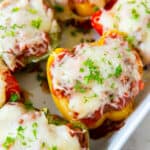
133	18
96	75
24	30
29	130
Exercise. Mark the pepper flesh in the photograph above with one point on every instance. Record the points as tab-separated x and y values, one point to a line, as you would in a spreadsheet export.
62	102
84	9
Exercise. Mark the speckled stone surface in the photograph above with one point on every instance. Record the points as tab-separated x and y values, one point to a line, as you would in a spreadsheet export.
140	139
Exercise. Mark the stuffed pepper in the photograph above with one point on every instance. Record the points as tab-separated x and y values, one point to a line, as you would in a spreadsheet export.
95	81
131	17
76	9
25	129
9	87
28	31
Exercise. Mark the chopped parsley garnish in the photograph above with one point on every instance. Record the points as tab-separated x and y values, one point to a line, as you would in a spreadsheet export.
79	87
117	17
131	1
45	145
20	133
81	69
119	56
34	129
119	7
35	125
115	48
16	9
94	73
88	98
130	39
10	33
8	142
96	8
135	14
54	148
15	26
118	71
14	97
147	10
20	129
32	11
59	8
3	27
148	25
103	59
112	85
36	23
109	62
128	49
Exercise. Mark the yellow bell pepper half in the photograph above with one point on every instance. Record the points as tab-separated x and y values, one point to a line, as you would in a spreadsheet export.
62	102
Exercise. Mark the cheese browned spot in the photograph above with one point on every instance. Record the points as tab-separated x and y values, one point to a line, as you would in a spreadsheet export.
25	29
95	76
29	130
133	18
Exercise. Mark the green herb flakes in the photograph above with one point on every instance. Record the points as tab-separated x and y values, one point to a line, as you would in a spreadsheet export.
8	142
148	25
54	148
131	1
118	71
3	27
10	33
94	73
130	39
79	87
81	69
147	9
16	9
88	98
34	129
32	11
128	49
135	15
36	23
96	8
15	26
14	97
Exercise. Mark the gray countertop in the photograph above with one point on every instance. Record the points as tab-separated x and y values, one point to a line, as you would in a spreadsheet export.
140	139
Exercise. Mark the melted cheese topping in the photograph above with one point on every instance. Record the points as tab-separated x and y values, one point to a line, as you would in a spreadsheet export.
132	17
24	26
96	75
29	130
